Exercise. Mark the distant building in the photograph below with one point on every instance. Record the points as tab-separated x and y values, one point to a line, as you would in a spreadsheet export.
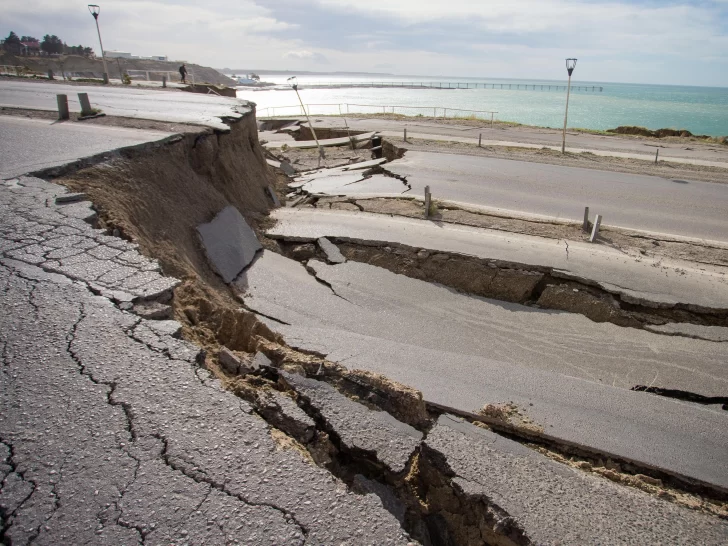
112	54
30	47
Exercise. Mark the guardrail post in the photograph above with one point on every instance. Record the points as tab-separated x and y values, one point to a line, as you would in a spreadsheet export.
62	106
428	200
585	225
595	229
85	104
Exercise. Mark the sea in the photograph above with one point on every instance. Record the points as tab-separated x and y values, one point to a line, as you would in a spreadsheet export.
700	110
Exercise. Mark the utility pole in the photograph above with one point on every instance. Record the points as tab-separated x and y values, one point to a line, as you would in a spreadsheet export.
95	10
313	131
570	65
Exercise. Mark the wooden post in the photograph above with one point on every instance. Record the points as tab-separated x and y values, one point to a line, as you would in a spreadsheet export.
405	134
480	140
85	104
595	229
585	225
657	154
428	199
62	106
164	81
491	119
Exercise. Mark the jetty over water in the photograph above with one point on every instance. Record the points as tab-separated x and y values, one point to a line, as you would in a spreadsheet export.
452	85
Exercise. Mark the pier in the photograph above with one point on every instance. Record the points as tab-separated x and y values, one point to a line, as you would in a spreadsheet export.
452	85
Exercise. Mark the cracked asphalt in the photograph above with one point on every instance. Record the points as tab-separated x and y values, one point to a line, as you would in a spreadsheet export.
110	433
569	375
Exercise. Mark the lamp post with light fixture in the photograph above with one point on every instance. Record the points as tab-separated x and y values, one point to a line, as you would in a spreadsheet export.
95	10
570	65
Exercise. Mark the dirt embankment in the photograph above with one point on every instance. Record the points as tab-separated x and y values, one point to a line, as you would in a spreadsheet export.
77	66
157	196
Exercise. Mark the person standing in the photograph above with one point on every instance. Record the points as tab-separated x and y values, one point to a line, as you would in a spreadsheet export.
183	73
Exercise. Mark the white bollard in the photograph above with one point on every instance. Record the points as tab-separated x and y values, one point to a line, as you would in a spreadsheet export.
595	230
85	105
62	106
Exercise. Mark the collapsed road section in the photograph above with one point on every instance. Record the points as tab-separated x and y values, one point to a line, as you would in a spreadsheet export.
160	401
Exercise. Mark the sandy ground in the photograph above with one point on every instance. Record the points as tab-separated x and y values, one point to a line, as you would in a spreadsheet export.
514	128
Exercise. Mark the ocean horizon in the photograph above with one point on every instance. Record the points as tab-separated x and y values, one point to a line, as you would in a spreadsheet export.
700	110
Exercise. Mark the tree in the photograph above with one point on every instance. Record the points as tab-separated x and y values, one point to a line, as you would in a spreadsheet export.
12	39
11	44
51	44
28	39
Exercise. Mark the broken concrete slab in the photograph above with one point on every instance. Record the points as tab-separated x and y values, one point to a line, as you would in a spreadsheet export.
334	183
229	361
709	333
333	254
551	503
282	412
365	164
386	494
152	310
70	198
230	244
170	328
308	144
273	196
359	428
261	361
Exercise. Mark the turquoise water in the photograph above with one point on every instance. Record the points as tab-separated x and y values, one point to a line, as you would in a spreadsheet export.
701	110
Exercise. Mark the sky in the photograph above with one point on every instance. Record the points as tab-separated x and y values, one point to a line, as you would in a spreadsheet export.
681	42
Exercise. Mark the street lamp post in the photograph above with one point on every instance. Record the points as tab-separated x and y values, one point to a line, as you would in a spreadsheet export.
313	131
570	65
95	10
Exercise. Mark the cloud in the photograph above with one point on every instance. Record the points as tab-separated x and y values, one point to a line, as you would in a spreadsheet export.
305	55
623	40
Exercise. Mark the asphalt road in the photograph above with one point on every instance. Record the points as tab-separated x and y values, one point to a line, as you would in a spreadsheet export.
648	203
163	105
462	352
29	145
555	504
111	432
652	280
